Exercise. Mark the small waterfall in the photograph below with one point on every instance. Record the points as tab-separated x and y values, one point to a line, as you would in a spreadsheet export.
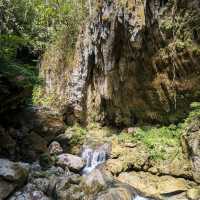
140	198
93	158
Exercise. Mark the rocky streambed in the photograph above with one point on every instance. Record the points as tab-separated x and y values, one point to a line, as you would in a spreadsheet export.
91	164
92	175
59	175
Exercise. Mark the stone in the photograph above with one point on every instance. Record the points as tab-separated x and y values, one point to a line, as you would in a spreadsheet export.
13	172
127	158
29	192
193	194
6	188
179	167
130	145
95	182
12	176
64	140
73	162
41	184
132	130
65	190
55	148
67	187
191	143
115	166
155	186
118	193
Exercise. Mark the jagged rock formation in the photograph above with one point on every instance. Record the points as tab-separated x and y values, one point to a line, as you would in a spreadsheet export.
191	146
135	61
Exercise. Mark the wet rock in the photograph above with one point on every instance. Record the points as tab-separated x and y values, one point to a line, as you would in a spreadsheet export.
95	182
156	186
119	193
55	148
74	163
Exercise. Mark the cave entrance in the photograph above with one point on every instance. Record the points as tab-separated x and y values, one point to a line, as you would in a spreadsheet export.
163	3
195	35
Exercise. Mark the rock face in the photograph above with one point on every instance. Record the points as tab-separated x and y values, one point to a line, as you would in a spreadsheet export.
132	63
156	187
191	146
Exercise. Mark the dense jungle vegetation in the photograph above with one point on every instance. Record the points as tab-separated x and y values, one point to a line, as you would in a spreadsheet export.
27	27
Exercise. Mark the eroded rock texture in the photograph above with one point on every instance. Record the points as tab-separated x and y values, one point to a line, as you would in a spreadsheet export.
135	61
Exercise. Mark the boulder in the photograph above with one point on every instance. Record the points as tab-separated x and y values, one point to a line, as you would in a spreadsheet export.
95	182
12	176
125	158
194	193
179	167
64	140
55	148
29	192
68	188
191	146
155	186
119	193
73	162
13	172
6	188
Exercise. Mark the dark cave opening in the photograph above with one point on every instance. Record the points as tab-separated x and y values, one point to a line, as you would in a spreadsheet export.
195	34
163	3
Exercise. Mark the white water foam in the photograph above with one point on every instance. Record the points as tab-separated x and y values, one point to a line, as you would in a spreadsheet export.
140	198
93	158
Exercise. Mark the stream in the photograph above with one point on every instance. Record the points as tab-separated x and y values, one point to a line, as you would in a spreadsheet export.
96	157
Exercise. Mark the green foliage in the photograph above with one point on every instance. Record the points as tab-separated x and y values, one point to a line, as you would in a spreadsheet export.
38	22
78	135
157	140
167	25
194	114
38	96
162	142
32	25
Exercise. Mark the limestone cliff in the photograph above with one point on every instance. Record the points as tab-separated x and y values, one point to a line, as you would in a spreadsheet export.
134	61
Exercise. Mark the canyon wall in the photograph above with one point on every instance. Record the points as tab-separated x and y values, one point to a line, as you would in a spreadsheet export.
135	61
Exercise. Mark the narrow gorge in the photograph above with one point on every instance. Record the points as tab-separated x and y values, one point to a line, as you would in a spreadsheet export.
114	113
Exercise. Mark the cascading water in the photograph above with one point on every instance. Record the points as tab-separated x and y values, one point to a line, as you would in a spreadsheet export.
93	158
140	198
